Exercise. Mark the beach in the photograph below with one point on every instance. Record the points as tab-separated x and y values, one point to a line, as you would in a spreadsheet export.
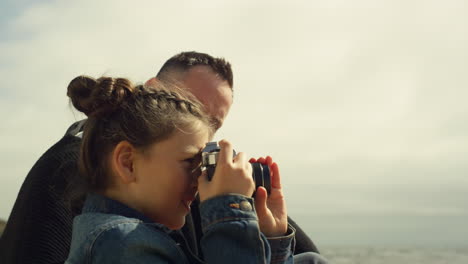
375	255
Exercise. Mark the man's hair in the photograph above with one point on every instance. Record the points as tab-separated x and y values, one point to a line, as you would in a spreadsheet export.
184	61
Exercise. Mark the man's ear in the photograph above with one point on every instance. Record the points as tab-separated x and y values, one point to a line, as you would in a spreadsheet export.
123	158
151	82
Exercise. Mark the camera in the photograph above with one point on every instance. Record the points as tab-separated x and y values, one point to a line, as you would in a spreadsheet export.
260	172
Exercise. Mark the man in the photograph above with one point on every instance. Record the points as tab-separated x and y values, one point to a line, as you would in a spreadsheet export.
211	81
39	227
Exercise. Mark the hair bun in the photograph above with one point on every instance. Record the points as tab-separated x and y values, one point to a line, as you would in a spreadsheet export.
79	90
98	97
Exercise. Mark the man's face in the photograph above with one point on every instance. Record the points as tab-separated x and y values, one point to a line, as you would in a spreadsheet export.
212	91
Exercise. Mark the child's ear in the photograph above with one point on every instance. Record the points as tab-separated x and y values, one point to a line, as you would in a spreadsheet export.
123	158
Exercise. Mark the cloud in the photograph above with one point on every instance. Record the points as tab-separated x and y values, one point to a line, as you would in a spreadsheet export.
365	95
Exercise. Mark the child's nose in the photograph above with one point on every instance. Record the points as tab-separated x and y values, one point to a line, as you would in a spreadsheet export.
195	174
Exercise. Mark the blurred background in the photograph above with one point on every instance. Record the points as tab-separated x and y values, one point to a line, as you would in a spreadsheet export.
362	103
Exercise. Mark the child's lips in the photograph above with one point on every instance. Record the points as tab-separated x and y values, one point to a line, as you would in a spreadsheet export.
188	202
189	199
187	205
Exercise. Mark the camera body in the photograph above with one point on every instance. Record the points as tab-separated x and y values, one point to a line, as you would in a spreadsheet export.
260	172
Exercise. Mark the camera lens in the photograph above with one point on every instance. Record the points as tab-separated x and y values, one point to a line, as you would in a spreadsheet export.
261	176
260	172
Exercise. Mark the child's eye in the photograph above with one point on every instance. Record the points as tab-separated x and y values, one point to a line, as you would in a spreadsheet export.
193	161
190	160
192	164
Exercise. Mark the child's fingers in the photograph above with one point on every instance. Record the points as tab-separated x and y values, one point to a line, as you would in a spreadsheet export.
240	158
269	161
225	154
261	202
275	176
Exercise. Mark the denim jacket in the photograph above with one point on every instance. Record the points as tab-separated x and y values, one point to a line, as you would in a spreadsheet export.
108	231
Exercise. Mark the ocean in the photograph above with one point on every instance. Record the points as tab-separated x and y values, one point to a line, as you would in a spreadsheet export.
368	255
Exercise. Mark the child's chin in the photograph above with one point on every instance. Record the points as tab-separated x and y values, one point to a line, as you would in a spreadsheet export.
178	225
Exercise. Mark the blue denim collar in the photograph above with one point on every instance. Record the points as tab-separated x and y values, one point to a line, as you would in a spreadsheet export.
96	203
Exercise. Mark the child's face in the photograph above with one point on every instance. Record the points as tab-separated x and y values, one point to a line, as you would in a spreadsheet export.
166	182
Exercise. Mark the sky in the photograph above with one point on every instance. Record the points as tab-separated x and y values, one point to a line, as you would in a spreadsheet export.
361	103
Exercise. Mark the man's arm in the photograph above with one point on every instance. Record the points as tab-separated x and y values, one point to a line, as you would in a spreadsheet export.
303	242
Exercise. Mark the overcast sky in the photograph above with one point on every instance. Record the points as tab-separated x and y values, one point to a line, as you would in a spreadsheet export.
362	103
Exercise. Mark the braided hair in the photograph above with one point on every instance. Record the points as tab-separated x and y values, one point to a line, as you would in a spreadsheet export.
119	111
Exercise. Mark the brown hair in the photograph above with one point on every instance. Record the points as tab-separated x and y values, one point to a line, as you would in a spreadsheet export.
184	61
119	111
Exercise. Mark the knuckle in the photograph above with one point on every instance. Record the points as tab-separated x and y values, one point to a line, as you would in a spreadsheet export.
251	181
252	184
245	170
225	143
237	170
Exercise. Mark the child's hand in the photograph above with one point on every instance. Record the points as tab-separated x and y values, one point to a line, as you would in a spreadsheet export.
232	175
271	210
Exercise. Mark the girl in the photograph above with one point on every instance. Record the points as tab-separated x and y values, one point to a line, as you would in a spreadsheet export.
140	157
